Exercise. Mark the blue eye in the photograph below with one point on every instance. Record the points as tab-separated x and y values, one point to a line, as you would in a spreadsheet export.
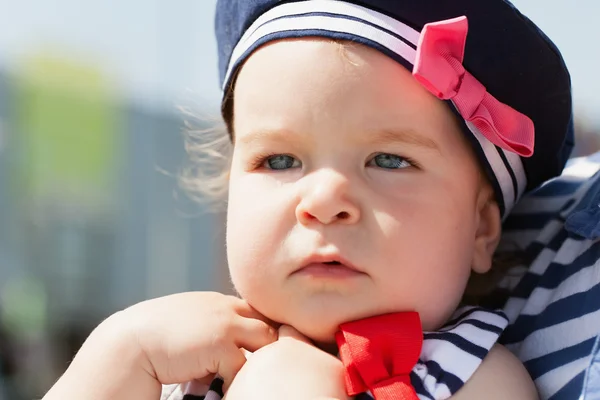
280	162
389	161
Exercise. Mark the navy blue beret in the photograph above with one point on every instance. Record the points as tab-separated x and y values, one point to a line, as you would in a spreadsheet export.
504	51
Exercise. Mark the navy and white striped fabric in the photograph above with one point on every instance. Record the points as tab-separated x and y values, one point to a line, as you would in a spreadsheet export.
448	359
349	21
554	303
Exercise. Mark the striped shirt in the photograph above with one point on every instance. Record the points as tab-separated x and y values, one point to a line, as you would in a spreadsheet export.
552	306
554	302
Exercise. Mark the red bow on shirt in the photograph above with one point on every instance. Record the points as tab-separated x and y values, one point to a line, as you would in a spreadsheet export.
379	353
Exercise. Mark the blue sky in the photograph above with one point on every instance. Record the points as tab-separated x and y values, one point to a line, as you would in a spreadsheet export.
163	53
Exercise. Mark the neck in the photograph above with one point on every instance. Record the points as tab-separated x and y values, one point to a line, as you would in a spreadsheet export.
328	347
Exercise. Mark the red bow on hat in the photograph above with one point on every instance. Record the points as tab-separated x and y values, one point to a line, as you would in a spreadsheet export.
379	353
438	67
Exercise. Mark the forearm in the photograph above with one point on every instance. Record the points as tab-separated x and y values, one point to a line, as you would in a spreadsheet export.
106	367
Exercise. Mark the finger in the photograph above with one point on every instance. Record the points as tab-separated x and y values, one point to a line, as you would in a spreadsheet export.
289	332
252	334
247	311
230	364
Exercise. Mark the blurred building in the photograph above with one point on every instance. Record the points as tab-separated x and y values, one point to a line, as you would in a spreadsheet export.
92	219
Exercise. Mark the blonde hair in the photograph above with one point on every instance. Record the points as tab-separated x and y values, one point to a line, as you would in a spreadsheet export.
205	177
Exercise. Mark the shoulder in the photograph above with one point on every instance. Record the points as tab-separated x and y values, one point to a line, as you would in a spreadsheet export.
500	376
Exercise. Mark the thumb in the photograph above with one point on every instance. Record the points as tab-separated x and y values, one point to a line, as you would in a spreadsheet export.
289	332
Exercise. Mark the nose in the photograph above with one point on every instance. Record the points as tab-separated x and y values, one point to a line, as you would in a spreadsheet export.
326	199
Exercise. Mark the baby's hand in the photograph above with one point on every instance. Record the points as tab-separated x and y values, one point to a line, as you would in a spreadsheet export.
291	368
171	339
192	335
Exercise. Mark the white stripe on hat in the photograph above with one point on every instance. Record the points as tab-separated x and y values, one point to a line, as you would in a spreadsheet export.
348	18
501	169
296	16
517	166
335	7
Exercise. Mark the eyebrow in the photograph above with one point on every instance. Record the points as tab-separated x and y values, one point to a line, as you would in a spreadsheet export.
382	137
265	134
388	136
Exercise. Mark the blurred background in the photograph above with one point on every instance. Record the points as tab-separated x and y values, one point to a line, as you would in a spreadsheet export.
91	142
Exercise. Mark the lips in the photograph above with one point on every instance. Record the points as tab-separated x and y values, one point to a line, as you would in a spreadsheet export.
332	263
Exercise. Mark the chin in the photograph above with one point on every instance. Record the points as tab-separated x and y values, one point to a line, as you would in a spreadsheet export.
322	334
317	317
320	327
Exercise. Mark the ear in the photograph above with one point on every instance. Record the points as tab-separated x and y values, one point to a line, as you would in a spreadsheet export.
489	229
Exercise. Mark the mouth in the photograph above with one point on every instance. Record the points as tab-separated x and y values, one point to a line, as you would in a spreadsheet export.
331	266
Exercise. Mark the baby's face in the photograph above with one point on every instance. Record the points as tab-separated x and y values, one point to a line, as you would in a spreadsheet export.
340	155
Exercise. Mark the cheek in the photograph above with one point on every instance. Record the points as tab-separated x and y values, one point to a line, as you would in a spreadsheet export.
449	257
256	222
446	233
429	246
245	243
246	258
